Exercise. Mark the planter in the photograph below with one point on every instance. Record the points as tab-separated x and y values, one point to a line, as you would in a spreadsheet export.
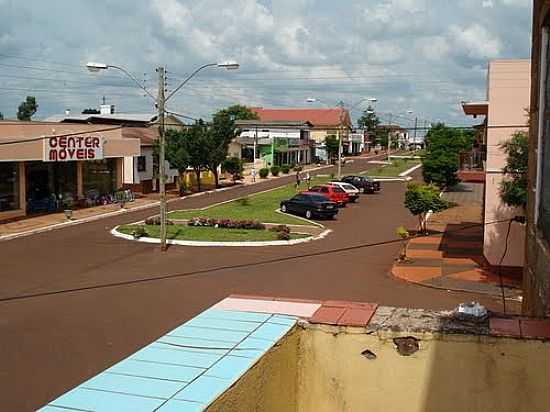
68	214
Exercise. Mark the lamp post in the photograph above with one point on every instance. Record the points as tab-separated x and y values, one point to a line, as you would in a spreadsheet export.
160	102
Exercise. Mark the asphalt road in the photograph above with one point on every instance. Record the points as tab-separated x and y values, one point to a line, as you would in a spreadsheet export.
51	343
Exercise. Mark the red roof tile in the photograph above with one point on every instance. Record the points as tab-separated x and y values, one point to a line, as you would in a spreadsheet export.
317	117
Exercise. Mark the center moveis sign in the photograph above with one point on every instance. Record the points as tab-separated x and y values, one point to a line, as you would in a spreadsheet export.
69	148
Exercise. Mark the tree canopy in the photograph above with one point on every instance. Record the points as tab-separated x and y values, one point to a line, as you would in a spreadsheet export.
421	199
332	145
369	120
513	190
27	109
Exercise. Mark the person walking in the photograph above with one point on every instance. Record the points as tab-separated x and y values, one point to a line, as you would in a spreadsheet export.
253	174
297	185
308	180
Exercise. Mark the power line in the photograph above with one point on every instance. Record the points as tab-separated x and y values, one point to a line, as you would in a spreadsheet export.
228	267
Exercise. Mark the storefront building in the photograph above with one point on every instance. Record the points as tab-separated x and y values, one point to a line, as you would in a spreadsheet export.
46	167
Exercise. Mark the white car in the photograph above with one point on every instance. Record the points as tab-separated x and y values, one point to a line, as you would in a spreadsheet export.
351	190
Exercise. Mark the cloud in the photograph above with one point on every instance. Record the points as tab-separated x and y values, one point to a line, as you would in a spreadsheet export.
419	54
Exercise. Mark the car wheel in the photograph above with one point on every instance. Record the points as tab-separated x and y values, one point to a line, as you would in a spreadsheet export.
308	214
283	208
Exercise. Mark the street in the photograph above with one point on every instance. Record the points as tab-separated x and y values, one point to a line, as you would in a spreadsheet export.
51	343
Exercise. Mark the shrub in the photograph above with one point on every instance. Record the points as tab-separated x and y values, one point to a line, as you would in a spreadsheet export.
226	223
139	231
283	236
233	166
243	201
283	232
275	170
285	169
264	172
155	221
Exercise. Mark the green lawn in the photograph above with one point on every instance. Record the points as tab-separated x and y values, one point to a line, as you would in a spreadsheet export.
261	206
184	232
398	166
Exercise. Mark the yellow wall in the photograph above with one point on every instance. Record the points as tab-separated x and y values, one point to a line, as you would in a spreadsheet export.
207	179
269	386
449	373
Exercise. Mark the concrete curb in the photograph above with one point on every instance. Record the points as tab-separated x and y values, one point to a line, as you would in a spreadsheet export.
195	243
412	169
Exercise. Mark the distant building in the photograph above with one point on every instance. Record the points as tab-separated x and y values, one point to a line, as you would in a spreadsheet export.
287	141
325	122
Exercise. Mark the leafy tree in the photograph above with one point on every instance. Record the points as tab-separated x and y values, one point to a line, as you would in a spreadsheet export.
90	111
332	145
238	112
421	199
443	147
233	166
513	191
27	109
369	120
195	142
176	153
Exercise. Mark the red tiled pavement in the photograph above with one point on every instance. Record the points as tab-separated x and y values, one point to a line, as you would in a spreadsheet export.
328	315
535	328
505	327
356	317
416	274
424	253
346	304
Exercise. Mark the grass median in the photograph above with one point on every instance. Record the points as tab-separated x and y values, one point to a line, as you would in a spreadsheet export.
260	206
208	234
394	169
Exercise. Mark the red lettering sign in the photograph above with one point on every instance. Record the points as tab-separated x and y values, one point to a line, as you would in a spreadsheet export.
70	148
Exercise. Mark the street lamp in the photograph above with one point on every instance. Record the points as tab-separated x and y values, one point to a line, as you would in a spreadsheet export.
160	103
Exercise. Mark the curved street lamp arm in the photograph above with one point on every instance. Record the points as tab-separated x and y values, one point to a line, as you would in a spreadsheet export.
189	78
136	81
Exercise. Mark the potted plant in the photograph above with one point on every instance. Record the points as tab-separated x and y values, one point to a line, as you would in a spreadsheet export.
68	205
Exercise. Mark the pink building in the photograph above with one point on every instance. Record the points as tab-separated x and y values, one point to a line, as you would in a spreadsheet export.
505	112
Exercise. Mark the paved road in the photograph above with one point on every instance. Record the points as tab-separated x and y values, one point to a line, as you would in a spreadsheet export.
49	344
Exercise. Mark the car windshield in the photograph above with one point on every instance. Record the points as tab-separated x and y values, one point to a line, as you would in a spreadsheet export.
347	186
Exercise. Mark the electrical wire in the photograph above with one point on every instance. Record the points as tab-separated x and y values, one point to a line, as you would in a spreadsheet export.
499	270
228	267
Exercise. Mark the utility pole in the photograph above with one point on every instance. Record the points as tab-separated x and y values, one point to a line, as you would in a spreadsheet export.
162	156
341	105
415	127
388	149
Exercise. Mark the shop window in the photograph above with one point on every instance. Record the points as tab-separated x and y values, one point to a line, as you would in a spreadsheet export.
99	177
141	164
9	186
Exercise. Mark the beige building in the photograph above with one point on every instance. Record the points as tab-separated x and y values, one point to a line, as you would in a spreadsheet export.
44	166
505	112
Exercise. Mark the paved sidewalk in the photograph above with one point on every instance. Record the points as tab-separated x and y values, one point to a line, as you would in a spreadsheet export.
451	258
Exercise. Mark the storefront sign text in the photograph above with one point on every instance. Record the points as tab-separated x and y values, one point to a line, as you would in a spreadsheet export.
67	148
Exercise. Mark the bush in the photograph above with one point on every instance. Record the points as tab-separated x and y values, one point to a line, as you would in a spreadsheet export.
243	201
275	170
264	172
233	166
298	168
283	232
226	223
155	221
283	236
139	231
440	168
285	169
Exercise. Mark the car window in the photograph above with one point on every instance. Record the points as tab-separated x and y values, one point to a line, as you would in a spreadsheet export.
347	186
324	189
317	198
337	189
314	189
298	198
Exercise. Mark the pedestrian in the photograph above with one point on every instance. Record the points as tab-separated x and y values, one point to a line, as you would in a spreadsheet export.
253	174
297	185
308	180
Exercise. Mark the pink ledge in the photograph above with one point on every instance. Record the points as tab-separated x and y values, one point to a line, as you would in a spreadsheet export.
281	307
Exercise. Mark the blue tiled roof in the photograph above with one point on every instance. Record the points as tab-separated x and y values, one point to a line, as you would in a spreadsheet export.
184	370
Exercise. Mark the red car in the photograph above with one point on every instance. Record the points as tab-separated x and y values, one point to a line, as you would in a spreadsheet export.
332	193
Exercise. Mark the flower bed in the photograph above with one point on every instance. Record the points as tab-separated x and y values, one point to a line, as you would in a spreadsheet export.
226	223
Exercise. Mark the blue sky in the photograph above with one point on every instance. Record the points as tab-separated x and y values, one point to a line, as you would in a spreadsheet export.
420	55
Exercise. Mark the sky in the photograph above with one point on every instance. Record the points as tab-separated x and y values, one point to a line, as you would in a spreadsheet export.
421	55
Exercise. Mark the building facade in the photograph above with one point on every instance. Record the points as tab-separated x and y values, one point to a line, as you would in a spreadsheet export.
505	112
275	142
45	167
536	277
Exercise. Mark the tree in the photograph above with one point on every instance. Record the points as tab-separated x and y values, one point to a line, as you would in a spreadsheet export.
443	147
27	109
233	166
332	145
90	111
421	199
176	153
195	142
513	190
369	120
221	133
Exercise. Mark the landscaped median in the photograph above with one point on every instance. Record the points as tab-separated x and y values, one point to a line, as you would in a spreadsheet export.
249	221
393	169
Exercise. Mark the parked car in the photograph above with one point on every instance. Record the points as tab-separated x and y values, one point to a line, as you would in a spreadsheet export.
352	191
309	205
332	193
364	183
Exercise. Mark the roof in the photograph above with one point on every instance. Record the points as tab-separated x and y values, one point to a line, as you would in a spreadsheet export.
146	135
274	123
91	118
317	117
475	108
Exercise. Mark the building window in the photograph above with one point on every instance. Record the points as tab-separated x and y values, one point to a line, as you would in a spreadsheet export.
141	164
9	186
99	177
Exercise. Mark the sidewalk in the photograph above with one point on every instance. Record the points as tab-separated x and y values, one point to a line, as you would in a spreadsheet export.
451	258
